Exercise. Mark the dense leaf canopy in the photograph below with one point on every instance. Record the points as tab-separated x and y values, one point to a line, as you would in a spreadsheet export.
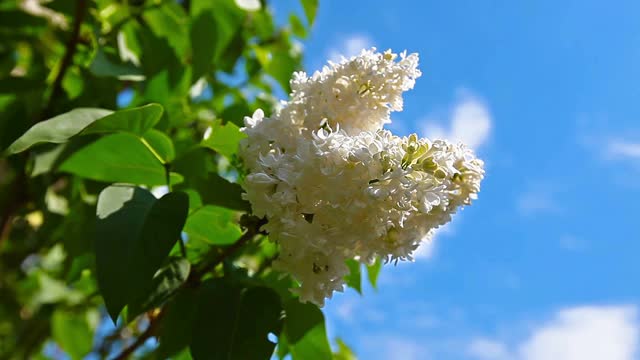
121	215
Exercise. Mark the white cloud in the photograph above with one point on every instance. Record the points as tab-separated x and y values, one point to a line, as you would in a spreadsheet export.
578	333
488	349
350	46
471	123
539	198
623	149
586	333
393	347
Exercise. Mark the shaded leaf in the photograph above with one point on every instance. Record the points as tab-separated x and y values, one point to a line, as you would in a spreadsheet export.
45	161
250	313
204	44
215	190
134	234
197	167
164	284
16	85
177	323
102	65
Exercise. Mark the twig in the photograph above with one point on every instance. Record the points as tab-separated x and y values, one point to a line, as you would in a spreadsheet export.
197	274
149	332
70	50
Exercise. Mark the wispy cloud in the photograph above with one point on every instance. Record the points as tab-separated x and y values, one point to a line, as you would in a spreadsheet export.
470	122
538	198
619	148
351	45
488	349
393	347
578	333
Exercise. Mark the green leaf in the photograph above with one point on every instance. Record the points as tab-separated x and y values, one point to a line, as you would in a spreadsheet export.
103	66
161	144
58	129
236	112
85	121
197	166
354	280
310	9
170	22
72	332
118	158
136	120
177	324
215	190
281	65
204	44
297	27
216	36
233	323
134	234
344	352
305	331
373	271
223	138
213	225
45	161
164	284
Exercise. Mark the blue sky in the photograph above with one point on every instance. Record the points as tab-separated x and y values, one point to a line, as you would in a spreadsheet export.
545	264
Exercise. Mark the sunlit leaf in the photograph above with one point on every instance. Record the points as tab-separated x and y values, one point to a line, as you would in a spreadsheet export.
161	144
305	331
72	332
373	271
213	225
88	121
344	352
58	129
354	280
118	158
223	138
310	9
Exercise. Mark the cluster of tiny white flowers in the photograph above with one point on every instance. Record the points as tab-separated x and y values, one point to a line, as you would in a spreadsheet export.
334	185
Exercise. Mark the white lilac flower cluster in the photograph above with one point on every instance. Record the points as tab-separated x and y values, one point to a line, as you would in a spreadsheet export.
335	186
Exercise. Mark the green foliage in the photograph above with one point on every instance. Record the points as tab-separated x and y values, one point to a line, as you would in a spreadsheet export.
354	279
134	234
304	332
102	105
